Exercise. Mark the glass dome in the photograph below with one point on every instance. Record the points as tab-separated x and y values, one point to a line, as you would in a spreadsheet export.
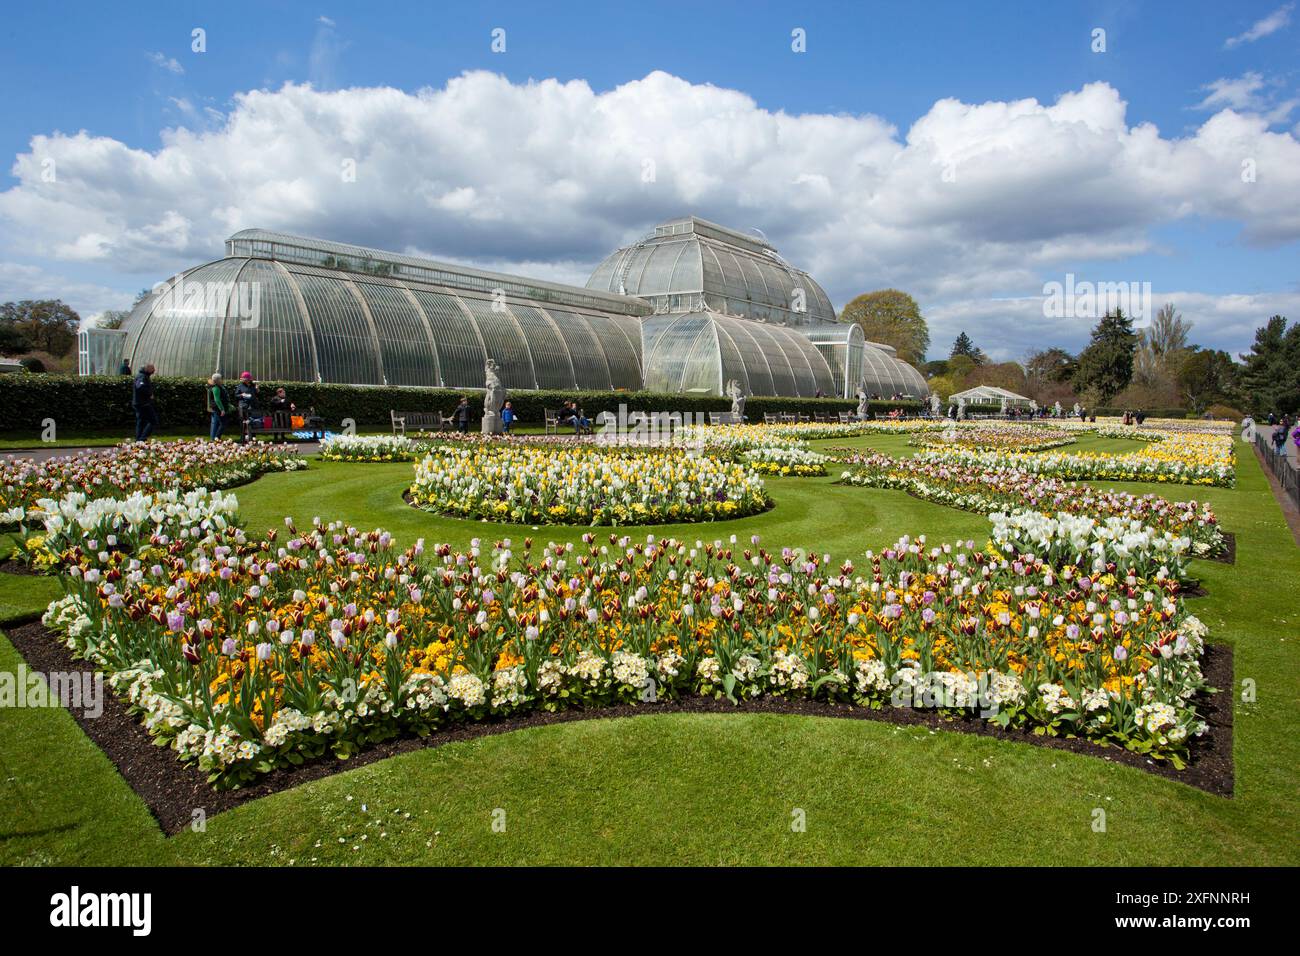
692	264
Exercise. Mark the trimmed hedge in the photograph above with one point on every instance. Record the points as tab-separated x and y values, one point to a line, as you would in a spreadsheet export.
103	402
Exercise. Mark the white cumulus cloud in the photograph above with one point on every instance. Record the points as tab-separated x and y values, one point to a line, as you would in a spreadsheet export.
975	202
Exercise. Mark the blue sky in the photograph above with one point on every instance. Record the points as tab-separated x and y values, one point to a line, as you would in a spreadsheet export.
173	143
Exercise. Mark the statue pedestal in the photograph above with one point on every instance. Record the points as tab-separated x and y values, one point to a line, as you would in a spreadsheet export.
492	423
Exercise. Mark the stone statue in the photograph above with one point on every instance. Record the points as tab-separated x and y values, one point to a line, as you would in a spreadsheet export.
1056	410
1033	408
1003	410
494	396
1078	410
934	405
961	409
862	401
737	396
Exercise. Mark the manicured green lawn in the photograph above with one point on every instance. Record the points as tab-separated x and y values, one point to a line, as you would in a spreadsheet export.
709	789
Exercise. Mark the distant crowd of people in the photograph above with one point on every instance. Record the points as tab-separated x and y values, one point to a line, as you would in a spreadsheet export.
1284	426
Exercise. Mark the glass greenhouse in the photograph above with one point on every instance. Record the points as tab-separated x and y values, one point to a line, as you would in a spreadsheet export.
687	309
303	310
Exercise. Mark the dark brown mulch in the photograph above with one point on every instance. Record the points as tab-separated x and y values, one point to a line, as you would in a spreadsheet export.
10	566
173	790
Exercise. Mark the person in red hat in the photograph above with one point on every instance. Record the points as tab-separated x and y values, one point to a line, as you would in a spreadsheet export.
245	399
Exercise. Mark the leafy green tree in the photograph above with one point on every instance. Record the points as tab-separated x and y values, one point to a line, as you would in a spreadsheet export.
960	368
892	317
1050	366
12	340
1106	365
1270	381
48	325
1206	377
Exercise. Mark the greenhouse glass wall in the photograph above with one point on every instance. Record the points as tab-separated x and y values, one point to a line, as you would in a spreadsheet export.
688	308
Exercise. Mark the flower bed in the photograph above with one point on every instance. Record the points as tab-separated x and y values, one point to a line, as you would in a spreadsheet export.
988	489
583	484
786	462
370	448
1123	545
136	467
1174	458
246	655
992	436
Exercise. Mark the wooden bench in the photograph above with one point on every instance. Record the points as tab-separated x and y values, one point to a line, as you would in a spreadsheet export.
725	418
420	421
281	423
552	422
846	418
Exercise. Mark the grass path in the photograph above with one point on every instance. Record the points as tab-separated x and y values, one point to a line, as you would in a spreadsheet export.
708	789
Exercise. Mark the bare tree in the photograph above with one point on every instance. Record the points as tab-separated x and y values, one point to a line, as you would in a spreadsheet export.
1161	347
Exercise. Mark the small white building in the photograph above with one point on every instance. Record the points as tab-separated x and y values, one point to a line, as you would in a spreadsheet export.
990	395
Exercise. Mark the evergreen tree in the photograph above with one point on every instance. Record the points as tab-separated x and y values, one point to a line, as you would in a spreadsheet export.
1106	365
1270	382
964	346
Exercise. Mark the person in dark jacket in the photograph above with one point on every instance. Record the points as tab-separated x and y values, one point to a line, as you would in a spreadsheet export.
281	413
146	413
124	368
461	415
245	399
218	406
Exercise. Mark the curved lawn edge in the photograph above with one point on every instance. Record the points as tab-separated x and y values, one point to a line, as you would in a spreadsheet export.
172	789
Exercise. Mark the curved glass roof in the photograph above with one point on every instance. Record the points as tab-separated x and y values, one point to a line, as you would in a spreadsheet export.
693	264
264	244
700	352
298	322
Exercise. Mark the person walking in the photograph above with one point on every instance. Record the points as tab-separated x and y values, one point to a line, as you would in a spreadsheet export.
142	402
124	368
1279	439
245	399
507	417
461	415
218	406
